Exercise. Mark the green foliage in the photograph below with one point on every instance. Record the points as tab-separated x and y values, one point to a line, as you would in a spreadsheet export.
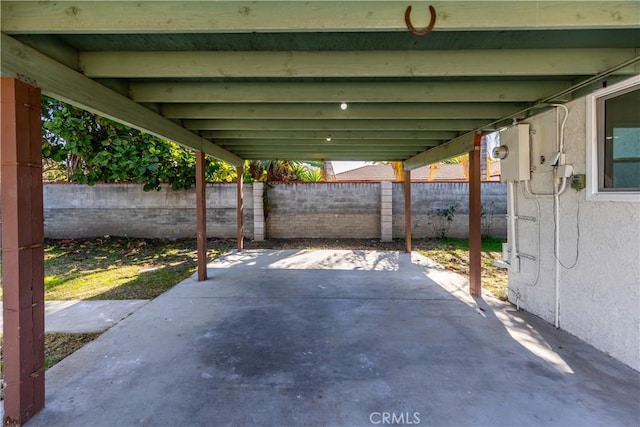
487	217
308	174
442	218
79	146
449	212
453	160
282	171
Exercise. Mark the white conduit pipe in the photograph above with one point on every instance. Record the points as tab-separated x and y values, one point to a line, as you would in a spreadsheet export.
511	196
557	255
556	203
558	190
556	197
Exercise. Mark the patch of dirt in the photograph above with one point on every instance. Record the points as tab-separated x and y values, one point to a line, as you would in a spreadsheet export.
57	346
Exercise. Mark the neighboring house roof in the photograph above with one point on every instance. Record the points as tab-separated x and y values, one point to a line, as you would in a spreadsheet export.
383	172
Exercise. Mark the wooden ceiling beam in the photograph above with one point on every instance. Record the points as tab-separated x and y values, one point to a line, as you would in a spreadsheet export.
333	111
57	80
336	125
323	156
234	144
336	92
461	145
76	17
504	63
271	154
321	135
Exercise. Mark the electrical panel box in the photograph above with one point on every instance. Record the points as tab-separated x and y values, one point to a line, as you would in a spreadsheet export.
514	153
544	144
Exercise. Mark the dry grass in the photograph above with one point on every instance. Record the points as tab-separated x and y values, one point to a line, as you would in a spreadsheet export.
119	268
57	346
453	254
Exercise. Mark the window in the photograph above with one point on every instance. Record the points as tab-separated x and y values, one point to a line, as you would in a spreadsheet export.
613	142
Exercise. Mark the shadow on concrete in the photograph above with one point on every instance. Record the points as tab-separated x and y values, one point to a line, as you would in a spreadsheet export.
292	338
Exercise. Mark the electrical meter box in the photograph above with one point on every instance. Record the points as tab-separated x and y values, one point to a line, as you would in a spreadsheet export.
513	153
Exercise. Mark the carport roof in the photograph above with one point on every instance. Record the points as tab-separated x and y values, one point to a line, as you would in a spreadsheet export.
265	80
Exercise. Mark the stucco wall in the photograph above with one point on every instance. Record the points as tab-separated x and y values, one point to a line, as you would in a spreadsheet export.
599	247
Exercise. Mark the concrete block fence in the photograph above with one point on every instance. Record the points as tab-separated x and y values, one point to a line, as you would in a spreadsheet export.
293	210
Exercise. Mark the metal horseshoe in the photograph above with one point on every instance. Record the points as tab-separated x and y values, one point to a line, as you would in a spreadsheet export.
414	30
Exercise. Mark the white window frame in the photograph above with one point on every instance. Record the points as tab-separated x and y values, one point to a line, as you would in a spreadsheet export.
593	192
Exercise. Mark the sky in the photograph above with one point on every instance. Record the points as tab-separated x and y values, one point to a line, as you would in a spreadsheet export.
339	167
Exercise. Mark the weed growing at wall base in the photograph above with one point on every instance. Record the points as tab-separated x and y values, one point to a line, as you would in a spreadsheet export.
441	220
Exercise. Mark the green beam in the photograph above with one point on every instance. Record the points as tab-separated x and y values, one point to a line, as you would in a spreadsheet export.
321	135
59	81
323	156
333	111
327	154
452	125
334	143
401	153
461	145
73	17
52	48
417	63
280	149
336	92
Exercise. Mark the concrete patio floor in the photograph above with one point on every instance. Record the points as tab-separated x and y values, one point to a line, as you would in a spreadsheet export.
306	338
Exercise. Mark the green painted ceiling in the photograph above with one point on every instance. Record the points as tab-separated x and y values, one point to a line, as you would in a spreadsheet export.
357	41
265	81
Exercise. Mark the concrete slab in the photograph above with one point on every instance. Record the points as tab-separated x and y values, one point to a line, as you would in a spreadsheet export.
297	338
85	316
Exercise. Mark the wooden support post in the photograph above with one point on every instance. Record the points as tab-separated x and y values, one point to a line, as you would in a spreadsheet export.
475	224
201	214
22	250
240	209
407	211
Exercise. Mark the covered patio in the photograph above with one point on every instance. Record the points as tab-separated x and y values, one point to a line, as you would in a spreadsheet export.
328	337
346	80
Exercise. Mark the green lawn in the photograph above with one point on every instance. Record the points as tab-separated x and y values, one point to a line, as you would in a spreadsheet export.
119	268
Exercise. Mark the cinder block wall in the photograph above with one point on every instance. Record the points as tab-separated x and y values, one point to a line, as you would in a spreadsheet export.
430	200
312	210
73	211
331	210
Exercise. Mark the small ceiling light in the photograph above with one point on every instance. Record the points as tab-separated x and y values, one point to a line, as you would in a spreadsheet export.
344	106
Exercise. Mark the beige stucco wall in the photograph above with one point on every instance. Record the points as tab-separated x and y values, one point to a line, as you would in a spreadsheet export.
600	294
